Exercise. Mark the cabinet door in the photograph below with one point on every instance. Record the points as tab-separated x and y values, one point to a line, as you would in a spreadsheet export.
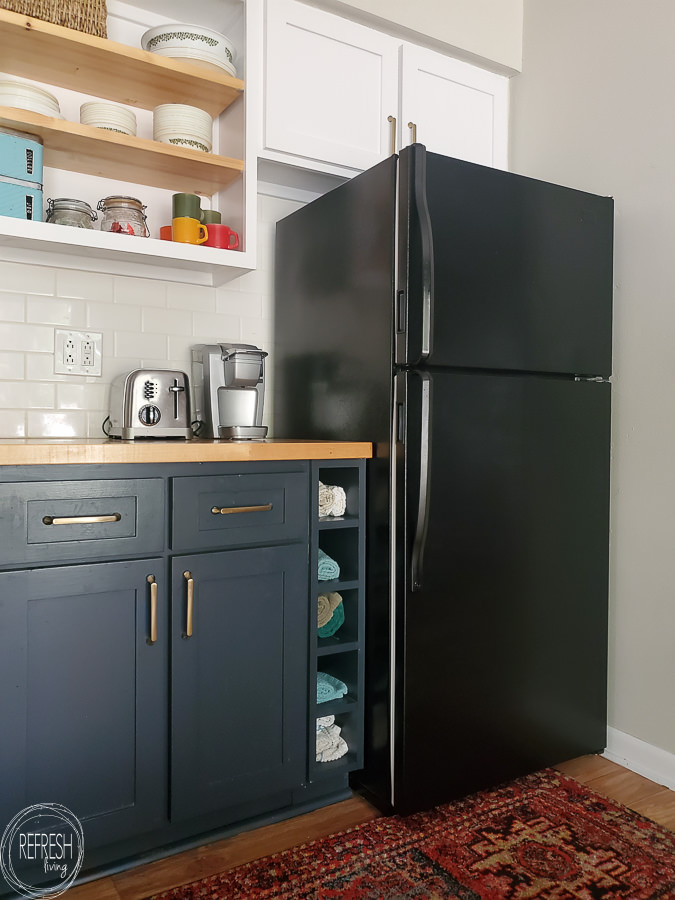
239	677
83	696
460	110
330	87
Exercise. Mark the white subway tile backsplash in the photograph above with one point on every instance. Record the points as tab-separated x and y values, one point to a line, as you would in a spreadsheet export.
26	279
39	338
55	423
238	303
40	367
12	365
84	285
113	317
12	423
214	328
12	307
140	291
129	343
52	310
81	396
191	297
166	321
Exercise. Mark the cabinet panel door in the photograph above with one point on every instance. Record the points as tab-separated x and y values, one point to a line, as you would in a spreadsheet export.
460	110
83	696
330	86
239	681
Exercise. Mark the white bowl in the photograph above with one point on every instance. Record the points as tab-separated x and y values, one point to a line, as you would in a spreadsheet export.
111	116
205	60
26	96
175	36
183	139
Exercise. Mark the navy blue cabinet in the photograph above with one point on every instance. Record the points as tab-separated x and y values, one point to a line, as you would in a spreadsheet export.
239	677
158	646
83	694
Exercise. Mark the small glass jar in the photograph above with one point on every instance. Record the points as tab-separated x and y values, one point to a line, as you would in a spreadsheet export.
66	211
123	215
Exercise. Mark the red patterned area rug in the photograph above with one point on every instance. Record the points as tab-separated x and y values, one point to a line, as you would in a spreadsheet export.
543	836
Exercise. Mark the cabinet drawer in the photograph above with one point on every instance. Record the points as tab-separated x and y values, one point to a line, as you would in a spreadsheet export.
239	510
68	520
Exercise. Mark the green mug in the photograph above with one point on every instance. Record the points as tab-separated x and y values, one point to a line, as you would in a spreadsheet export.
186	206
210	217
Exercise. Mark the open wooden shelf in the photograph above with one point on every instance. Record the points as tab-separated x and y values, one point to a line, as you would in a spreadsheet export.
96	151
82	62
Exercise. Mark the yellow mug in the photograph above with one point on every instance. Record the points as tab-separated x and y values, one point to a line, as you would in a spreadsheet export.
188	230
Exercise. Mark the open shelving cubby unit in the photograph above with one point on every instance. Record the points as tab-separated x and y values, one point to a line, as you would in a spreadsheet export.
340	655
89	163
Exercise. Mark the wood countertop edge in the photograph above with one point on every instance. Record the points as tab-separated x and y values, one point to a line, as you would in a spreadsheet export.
26	452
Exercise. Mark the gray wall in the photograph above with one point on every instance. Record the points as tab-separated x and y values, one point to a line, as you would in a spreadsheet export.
594	108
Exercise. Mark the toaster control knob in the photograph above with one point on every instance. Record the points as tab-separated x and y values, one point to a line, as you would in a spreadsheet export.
149	415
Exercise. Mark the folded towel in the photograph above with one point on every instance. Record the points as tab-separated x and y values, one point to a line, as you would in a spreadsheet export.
332	500
336	620
329	570
329	744
327	604
329	688
324	721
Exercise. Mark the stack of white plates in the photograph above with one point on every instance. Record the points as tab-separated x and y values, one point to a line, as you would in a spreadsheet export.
26	96
184	126
193	43
110	116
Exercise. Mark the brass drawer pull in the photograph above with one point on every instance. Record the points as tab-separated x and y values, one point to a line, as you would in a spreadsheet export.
392	120
80	520
226	510
153	609
190	602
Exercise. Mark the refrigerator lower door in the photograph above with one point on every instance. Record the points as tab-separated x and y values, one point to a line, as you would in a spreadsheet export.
501	602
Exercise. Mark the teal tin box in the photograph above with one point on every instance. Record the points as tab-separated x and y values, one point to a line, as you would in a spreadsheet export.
20	156
20	199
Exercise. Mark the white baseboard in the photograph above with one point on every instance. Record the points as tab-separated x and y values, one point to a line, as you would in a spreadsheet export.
654	763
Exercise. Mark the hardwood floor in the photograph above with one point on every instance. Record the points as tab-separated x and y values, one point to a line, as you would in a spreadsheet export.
601	775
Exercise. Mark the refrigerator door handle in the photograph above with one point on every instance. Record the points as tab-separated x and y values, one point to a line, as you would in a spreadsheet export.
419	541
427	248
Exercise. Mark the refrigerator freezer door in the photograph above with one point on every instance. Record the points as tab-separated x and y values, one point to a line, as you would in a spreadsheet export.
501	648
520	270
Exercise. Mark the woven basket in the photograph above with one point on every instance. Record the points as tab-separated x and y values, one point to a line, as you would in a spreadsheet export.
81	15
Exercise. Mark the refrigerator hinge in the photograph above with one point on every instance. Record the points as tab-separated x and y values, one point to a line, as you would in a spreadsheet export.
597	378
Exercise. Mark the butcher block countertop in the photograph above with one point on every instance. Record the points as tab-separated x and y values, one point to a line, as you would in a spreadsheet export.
37	451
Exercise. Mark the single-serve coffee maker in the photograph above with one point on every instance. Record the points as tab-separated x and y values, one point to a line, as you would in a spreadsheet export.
229	386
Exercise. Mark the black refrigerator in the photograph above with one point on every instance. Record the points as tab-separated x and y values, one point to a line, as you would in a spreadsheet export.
459	317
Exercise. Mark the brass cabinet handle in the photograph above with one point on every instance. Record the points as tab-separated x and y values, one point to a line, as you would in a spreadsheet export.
190	602
413	127
80	520
227	510
392	119
153	609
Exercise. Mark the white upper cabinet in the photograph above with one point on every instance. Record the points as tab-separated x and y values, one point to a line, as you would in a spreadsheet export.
455	108
329	87
339	96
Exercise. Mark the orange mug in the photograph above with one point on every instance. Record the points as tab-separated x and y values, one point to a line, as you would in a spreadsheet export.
222	236
165	233
187	230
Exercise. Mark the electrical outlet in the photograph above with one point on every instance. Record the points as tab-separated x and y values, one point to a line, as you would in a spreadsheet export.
77	352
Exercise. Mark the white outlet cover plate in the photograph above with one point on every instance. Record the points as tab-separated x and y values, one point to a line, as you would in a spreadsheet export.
63	338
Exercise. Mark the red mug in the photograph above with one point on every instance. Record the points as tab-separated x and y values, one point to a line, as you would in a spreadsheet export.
221	236
165	233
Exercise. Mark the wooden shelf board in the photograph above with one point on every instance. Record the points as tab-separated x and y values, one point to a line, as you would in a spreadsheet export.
91	65
107	154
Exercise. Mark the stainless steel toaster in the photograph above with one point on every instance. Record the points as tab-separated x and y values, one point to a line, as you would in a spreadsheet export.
150	403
